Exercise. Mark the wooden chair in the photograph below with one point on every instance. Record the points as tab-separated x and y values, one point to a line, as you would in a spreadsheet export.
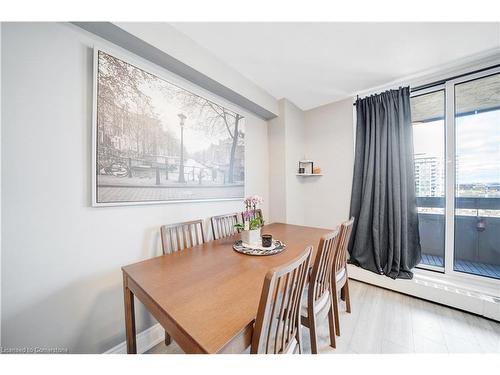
340	281
277	326
223	225
175	237
179	236
319	290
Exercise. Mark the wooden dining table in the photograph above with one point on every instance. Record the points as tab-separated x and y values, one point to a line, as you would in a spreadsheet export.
206	297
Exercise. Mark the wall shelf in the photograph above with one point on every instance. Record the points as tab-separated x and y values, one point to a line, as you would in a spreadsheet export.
309	174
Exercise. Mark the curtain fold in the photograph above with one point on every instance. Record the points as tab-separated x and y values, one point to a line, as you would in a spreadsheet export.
385	236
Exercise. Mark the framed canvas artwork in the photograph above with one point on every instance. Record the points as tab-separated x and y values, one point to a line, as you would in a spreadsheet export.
157	142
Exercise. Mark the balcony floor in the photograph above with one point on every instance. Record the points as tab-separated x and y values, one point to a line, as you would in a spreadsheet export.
481	269
432	260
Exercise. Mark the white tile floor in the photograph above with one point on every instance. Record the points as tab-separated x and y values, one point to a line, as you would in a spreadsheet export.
387	322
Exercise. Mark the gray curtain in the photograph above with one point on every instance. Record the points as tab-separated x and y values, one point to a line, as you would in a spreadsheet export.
385	234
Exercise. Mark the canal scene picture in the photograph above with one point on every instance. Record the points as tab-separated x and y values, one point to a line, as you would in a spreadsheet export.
158	142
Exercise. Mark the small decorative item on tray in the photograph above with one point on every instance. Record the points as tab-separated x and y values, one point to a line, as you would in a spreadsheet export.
275	248
267	240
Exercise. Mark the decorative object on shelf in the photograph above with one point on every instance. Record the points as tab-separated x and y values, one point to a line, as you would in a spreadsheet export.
267	240
307	169
275	248
306	166
252	222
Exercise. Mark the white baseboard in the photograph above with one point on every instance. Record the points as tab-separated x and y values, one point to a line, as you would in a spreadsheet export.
434	288
145	340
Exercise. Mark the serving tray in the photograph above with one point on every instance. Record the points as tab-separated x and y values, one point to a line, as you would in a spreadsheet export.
275	248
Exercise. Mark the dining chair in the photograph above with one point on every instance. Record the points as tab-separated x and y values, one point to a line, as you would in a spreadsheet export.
258	213
277	325
223	225
319	291
179	236
340	280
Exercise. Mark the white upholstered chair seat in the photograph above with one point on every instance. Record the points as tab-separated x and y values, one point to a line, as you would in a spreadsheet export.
320	304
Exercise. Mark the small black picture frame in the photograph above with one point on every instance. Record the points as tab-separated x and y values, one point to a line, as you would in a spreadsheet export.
306	167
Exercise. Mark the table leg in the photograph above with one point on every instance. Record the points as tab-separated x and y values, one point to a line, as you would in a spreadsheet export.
128	297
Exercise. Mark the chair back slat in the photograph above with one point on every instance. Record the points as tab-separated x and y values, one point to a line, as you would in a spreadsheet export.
341	254
223	225
321	273
189	231
181	244
277	326
179	236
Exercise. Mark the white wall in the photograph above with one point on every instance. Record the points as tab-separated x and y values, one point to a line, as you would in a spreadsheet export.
286	148
61	259
324	135
295	130
329	142
170	40
277	166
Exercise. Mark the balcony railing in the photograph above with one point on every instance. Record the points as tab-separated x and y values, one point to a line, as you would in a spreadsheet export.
477	233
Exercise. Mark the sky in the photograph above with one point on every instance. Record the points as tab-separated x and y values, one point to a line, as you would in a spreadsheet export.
168	108
169	100
477	144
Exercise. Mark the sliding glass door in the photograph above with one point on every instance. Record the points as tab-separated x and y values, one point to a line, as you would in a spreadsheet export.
428	118
456	128
477	179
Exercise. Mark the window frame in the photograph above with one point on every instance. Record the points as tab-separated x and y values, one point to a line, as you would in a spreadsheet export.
450	175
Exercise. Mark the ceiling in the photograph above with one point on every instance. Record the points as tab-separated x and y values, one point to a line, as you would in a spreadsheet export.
313	64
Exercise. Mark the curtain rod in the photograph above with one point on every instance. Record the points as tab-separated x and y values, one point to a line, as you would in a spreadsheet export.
441	81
